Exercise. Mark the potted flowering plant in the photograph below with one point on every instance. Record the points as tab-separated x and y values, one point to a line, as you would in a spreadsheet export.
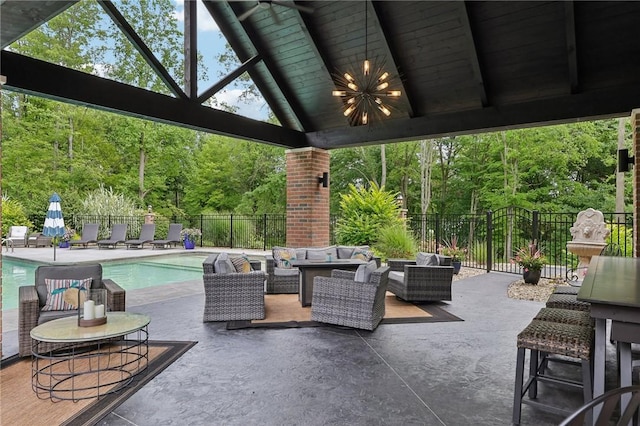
457	253
189	236
532	261
68	235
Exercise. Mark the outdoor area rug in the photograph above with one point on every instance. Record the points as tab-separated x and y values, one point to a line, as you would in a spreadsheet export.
20	405
284	311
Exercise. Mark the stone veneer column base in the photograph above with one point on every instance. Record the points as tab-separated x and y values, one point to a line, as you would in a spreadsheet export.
307	201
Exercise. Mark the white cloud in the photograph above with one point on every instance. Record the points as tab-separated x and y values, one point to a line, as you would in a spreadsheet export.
205	21
257	109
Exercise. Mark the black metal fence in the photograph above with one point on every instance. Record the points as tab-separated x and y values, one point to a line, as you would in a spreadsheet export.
491	239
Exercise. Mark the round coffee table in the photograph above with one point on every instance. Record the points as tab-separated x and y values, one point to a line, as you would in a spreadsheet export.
73	363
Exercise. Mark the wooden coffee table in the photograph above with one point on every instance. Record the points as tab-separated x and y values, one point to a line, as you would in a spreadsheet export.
309	269
88	362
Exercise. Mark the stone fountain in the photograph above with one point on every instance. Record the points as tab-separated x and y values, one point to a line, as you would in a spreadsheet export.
589	232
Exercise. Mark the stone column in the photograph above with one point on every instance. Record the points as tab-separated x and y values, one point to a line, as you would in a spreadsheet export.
149	217
635	129
307	200
3	80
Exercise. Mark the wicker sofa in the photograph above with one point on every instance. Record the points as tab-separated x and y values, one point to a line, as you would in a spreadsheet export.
283	280
423	279
33	298
232	295
341	300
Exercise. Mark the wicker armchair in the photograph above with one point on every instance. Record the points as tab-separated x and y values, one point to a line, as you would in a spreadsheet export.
342	301
415	283
232	296
32	298
286	281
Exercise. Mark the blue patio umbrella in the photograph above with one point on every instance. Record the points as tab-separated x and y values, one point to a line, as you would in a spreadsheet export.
54	222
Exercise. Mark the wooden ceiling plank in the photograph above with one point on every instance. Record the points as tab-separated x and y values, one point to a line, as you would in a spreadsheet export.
572	57
49	80
142	48
472	52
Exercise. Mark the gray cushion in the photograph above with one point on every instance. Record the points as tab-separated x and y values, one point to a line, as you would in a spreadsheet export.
223	264
396	276
322	253
285	272
301	253
427	259
363	273
345	252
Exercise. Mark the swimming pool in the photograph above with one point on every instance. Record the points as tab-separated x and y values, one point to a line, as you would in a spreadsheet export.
129	274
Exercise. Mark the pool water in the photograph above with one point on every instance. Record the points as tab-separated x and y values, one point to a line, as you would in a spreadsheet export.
128	274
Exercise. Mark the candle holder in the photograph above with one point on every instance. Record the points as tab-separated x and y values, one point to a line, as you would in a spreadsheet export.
92	308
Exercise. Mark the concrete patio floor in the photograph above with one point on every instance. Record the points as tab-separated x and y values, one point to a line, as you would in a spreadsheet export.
451	373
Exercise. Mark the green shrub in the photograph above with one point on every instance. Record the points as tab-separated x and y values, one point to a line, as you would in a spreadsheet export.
13	214
622	237
396	242
364	212
479	252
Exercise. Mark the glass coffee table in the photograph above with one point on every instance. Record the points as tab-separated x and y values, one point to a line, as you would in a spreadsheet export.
69	362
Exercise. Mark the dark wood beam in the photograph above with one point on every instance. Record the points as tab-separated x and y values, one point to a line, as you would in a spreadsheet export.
275	74
392	60
237	43
572	56
228	78
19	18
141	47
609	103
191	49
52	81
473	54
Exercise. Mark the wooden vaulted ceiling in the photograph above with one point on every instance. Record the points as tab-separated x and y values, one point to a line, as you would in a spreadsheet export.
463	66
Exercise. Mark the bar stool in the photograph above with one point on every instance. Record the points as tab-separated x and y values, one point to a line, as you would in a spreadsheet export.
567	301
566	289
551	338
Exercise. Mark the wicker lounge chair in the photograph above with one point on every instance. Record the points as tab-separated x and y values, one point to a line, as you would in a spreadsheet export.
173	237
18	236
232	296
342	301
417	283
38	239
89	236
118	235
146	236
33	298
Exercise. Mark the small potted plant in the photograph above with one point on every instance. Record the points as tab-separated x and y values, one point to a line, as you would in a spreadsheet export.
456	253
189	236
532	261
68	235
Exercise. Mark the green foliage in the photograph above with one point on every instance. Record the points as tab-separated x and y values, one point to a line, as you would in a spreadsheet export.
364	213
13	214
106	202
451	248
478	252
396	242
530	258
622	237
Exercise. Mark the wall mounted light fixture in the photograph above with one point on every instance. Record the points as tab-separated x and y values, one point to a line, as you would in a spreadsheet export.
324	179
624	160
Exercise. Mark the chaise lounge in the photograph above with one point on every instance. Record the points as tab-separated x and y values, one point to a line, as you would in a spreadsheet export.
89	236
118	235
146	236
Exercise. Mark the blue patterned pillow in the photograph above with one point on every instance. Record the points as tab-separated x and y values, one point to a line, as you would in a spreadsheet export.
62	295
283	257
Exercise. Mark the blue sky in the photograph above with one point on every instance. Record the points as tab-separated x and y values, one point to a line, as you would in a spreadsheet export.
210	44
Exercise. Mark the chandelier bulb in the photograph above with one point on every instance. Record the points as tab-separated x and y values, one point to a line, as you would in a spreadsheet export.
349	110
382	86
383	76
384	110
351	100
394	93
339	93
365	67
349	78
365	118
353	87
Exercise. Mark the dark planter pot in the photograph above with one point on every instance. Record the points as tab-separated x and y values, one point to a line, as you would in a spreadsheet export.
456	267
531	276
63	244
189	245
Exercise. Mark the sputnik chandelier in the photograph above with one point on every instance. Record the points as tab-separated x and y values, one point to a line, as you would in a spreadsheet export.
363	93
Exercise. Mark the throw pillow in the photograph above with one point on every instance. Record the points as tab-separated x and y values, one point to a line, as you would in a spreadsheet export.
62	295
223	264
363	273
283	257
241	264
362	254
426	259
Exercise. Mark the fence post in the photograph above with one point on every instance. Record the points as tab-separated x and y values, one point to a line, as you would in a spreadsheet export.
489	240
437	232
535	227
264	232
231	230
201	228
